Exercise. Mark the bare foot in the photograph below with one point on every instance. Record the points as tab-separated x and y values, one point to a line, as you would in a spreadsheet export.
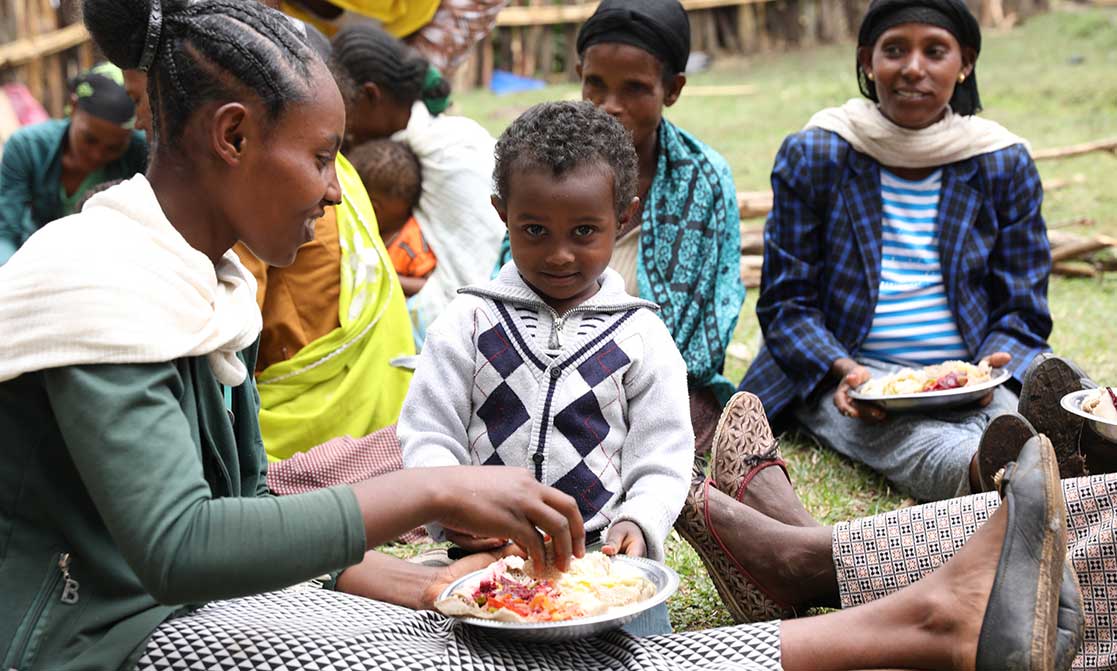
793	564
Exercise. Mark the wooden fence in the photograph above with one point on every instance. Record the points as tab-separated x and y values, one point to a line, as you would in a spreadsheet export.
43	46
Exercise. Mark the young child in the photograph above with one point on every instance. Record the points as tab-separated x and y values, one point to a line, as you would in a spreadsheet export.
393	179
552	366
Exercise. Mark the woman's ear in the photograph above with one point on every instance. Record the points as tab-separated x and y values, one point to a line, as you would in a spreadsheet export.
228	137
671	95
865	60
501	209
969	58
372	92
629	212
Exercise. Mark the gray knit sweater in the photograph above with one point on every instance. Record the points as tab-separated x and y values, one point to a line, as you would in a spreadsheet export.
594	401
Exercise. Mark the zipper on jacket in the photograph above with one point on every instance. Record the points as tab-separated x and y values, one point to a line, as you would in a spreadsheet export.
59	574
558	321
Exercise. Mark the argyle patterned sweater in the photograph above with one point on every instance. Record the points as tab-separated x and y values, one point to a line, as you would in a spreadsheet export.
594	402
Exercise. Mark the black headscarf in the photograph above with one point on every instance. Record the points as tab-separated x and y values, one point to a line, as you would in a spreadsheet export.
950	15
659	27
100	92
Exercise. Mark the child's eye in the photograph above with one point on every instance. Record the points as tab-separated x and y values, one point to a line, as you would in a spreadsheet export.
584	231
534	230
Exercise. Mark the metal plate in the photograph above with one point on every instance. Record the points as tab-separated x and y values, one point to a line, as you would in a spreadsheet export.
664	578
1072	403
934	400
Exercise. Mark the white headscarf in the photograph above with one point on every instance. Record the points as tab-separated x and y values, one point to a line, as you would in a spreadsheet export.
952	139
117	284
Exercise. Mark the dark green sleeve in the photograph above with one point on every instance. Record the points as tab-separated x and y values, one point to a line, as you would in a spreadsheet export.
132	443
15	195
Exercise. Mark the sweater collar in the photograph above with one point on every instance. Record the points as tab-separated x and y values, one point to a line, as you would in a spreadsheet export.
509	286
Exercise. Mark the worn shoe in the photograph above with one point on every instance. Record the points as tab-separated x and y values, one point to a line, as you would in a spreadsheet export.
1049	378
745	599
1000	444
1021	626
743	445
1072	619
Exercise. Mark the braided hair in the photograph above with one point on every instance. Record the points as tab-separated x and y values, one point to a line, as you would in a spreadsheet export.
559	138
364	53
204	51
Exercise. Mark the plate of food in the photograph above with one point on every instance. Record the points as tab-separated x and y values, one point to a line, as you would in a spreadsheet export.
1098	406
945	385
596	594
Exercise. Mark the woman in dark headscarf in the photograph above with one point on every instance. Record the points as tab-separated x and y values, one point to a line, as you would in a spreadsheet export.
683	250
48	167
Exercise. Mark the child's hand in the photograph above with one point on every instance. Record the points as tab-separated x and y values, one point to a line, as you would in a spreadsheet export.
625	538
474	543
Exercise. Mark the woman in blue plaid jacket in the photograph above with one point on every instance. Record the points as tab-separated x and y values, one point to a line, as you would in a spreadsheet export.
905	231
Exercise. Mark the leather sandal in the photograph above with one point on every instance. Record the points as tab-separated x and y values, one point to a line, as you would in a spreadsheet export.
743	445
1020	630
1000	444
743	596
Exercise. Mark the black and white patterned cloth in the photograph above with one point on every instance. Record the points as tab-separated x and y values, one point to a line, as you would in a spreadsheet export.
324	630
876	556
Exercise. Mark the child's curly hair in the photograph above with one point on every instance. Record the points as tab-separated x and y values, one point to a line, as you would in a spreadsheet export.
562	136
389	168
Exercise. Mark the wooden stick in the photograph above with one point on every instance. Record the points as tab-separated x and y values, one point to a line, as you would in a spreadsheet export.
1109	145
1058	183
1077	221
552	14
1079	249
717	91
754	203
1074	269
30	48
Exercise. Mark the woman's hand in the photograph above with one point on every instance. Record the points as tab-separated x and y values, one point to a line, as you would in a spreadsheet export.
852	375
625	538
507	502
996	360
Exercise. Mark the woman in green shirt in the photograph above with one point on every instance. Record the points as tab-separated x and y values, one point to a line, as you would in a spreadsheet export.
48	167
132	474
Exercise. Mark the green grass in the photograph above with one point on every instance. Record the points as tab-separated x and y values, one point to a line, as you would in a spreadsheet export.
1050	80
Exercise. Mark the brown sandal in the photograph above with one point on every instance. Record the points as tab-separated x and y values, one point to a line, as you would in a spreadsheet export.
743	445
742	595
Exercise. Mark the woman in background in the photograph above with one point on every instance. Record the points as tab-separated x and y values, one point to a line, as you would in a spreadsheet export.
48	167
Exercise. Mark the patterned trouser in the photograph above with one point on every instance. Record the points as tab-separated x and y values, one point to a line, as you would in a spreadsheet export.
318	629
876	556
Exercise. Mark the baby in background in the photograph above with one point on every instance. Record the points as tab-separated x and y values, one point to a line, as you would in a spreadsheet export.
552	366
392	176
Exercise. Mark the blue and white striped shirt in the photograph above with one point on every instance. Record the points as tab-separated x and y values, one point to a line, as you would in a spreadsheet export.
912	324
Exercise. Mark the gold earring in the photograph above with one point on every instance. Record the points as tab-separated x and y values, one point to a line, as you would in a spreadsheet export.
869	76
961	77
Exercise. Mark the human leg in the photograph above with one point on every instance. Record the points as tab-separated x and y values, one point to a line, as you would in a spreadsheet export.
949	620
876	556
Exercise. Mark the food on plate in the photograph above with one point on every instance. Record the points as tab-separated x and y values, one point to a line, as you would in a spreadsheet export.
940	377
1102	403
508	591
